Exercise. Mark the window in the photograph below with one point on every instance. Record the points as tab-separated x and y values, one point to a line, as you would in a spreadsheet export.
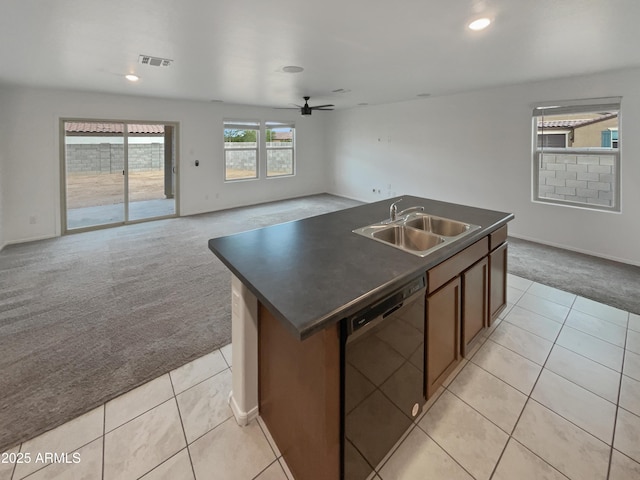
241	150
552	140
576	158
280	142
609	138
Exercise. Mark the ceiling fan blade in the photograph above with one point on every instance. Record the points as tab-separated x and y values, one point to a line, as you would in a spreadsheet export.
322	106
285	108
322	109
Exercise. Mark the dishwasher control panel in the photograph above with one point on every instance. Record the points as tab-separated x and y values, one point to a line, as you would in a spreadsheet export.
387	305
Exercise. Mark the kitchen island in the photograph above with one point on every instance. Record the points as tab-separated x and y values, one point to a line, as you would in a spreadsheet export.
295	285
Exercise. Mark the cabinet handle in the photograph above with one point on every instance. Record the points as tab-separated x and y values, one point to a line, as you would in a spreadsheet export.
390	311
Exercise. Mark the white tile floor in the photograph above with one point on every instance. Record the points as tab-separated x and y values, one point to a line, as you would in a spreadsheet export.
551	392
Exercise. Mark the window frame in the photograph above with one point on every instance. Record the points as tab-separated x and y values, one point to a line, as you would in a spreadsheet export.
269	125
241	125
538	152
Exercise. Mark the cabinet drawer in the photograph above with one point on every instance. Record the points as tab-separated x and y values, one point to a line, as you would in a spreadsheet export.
452	267
497	238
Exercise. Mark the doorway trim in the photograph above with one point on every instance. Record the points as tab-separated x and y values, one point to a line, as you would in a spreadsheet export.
63	172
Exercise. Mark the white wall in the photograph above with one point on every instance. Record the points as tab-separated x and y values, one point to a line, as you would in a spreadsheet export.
475	149
31	174
2	181
3	142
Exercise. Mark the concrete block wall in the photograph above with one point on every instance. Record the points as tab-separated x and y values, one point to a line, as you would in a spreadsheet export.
278	161
109	157
580	178
241	160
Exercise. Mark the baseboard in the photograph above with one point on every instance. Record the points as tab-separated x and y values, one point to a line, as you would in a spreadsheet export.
234	206
577	250
243	418
348	197
29	239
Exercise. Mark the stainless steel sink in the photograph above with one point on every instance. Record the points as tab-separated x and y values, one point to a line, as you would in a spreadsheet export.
437	225
417	232
408	238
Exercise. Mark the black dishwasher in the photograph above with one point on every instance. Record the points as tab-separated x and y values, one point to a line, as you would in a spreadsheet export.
383	386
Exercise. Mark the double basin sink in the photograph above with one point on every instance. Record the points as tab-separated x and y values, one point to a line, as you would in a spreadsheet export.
418	233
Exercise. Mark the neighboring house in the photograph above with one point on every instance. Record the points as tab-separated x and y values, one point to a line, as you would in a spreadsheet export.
281	136
587	131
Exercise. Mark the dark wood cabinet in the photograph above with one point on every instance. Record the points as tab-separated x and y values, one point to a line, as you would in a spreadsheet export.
497	281
475	303
299	396
442	334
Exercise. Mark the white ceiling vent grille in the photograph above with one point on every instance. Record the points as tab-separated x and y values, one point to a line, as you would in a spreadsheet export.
154	61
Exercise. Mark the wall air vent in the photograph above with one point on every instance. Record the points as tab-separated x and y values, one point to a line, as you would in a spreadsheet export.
154	61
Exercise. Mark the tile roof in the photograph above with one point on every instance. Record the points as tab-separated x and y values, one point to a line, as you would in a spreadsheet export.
111	128
574	122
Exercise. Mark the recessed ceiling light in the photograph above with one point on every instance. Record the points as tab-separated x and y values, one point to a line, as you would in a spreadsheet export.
341	90
363	104
423	95
132	78
480	24
292	69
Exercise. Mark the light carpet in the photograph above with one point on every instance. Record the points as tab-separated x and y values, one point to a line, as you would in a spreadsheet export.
614	283
87	317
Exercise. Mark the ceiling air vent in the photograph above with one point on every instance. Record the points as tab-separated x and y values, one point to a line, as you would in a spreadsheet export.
154	61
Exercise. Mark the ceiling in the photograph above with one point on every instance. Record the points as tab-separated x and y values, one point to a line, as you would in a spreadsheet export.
376	52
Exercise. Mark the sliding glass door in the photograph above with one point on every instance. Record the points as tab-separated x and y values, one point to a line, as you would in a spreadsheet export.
118	172
150	175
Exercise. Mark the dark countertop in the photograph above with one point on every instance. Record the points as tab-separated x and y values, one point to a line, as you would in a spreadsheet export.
312	273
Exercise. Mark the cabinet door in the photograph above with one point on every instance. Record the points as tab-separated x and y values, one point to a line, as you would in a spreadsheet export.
475	302
442	334
497	281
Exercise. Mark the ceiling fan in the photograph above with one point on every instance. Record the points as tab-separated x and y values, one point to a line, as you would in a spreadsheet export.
306	109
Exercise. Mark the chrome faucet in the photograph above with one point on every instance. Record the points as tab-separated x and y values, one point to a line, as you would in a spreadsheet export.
409	210
393	210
